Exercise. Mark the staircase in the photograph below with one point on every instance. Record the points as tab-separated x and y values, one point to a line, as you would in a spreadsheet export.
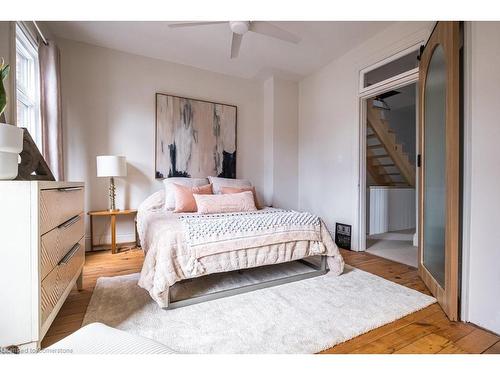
386	162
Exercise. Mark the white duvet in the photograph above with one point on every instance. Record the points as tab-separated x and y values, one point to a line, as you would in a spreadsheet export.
170	258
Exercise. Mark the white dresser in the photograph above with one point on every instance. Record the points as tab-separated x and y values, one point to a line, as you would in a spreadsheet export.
42	251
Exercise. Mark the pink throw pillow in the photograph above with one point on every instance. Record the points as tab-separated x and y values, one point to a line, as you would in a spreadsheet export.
221	203
232	190
184	199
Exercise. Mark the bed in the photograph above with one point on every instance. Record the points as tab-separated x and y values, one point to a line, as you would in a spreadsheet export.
185	246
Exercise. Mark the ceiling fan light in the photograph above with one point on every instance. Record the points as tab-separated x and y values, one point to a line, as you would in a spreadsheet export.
239	27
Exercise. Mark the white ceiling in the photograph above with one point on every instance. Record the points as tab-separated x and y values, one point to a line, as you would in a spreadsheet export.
207	47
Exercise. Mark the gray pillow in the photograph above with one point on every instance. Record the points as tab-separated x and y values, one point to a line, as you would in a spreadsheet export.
219	182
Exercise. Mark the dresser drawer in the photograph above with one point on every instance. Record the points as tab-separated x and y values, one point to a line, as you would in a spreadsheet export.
57	242
56	282
58	206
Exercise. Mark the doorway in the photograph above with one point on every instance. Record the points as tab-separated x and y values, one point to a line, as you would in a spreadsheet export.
438	182
391	143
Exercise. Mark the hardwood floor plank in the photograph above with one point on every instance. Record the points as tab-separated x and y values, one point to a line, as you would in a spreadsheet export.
477	341
493	349
425	331
404	336
430	344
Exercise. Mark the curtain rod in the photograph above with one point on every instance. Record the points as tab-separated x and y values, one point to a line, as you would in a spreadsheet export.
40	33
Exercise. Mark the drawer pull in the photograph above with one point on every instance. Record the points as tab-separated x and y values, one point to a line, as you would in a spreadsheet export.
70	189
69	255
70	222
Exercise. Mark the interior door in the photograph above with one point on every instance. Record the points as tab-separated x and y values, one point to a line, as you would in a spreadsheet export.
439	177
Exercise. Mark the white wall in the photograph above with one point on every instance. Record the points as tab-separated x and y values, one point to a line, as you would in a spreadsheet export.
281	140
329	126
484	127
109	108
286	134
389	209
268	116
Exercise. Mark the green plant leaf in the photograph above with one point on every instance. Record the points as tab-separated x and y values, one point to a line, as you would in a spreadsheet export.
3	96
5	72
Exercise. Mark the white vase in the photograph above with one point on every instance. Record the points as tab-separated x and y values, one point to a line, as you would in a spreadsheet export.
11	144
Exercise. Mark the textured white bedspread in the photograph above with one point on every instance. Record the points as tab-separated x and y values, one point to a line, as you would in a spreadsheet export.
169	258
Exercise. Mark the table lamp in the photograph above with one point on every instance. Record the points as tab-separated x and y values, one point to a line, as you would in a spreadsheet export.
111	166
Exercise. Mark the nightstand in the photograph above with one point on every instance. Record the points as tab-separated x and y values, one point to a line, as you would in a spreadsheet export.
112	215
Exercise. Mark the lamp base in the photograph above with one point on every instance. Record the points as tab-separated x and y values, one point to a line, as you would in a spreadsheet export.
112	194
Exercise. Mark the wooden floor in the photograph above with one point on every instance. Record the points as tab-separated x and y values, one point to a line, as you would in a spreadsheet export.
426	331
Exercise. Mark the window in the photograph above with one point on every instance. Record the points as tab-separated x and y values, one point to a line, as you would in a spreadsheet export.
27	85
399	66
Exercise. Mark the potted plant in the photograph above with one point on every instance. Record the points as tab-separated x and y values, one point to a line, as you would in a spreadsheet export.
11	137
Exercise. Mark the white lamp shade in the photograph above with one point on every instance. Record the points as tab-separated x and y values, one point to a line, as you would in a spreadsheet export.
111	166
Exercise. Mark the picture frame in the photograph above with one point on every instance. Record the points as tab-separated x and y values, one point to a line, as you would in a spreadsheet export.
194	137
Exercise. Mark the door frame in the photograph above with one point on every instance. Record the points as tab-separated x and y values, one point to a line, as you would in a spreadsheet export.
467	170
392	83
360	213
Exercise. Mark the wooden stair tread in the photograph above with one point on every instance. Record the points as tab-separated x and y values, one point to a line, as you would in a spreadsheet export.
381	130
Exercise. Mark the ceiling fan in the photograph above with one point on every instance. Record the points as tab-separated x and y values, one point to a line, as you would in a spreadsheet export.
240	28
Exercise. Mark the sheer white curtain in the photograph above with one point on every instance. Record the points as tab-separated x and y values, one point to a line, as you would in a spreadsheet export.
50	107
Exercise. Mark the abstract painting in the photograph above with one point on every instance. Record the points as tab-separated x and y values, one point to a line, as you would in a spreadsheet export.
194	138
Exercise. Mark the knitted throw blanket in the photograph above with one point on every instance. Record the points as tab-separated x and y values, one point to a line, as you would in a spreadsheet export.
218	233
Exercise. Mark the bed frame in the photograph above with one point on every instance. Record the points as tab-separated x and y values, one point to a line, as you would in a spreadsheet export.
316	270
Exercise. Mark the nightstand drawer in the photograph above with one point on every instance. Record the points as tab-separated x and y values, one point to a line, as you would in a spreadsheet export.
57	242
56	282
59	205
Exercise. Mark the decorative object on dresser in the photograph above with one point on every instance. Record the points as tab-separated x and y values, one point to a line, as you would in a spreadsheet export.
111	166
41	257
194	138
11	137
33	166
112	215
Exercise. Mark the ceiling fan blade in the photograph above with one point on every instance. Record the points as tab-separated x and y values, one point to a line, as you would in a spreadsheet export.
235	45
189	24
267	28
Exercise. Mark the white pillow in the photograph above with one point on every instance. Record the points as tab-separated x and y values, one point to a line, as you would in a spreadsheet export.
220	203
184	181
219	182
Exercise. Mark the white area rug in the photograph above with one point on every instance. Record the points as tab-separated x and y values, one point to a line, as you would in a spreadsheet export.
301	317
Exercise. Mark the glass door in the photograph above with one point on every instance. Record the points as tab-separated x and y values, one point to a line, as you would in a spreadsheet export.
439	165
